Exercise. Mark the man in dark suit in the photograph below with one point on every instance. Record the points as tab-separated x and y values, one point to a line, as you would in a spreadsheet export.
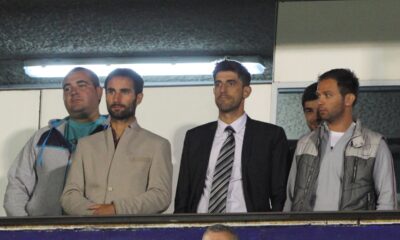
254	179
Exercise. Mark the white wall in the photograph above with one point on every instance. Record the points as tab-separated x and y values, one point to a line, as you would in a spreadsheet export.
19	120
314	37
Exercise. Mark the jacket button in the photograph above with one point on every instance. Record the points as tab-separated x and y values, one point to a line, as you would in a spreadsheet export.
110	189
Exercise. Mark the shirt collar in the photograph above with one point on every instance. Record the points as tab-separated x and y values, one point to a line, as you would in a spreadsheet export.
237	125
133	124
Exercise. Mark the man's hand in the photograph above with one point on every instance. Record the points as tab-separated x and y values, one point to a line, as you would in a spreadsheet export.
102	209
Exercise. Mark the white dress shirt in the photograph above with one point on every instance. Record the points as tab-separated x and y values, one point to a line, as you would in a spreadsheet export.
235	196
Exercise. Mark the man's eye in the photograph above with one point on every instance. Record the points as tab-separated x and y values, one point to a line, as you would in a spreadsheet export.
67	89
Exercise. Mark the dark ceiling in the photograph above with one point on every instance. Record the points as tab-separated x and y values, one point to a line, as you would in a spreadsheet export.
47	29
98	28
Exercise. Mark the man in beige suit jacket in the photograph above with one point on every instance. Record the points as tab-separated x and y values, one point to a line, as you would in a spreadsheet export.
124	169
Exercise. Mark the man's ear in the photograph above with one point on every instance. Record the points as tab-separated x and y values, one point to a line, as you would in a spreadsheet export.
139	98
246	91
99	91
349	99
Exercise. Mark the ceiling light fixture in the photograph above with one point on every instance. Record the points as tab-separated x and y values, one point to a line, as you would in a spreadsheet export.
145	67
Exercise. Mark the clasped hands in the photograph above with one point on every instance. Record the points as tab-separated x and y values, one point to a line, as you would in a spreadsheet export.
102	209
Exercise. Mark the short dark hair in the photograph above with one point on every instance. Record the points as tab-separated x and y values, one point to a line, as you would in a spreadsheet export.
234	66
346	81
309	94
222	228
93	77
137	80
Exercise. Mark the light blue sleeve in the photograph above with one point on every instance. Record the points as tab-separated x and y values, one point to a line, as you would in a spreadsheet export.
384	178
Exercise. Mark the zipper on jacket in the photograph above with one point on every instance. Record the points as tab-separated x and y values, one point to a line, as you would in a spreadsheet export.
309	178
353	179
344	174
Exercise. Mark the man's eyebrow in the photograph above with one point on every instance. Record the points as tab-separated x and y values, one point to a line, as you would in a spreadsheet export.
82	81
126	89
326	90
231	79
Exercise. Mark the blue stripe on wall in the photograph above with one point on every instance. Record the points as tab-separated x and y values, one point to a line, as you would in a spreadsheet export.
307	232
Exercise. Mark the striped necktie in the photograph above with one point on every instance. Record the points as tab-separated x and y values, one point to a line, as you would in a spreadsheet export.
222	174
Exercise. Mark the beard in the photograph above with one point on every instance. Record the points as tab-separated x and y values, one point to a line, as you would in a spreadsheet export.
126	112
334	114
227	104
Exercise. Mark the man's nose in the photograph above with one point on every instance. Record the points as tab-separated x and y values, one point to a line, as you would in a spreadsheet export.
74	90
117	97
321	101
222	87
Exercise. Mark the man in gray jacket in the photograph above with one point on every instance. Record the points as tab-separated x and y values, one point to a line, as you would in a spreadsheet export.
341	165
124	169
37	176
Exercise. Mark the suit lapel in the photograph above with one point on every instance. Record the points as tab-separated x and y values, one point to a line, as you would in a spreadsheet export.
127	140
246	158
247	144
207	140
109	146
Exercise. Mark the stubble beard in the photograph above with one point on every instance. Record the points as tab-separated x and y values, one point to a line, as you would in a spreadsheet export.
126	113
334	116
228	107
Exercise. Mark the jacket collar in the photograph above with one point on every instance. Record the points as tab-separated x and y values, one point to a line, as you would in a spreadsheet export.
58	123
357	139
133	125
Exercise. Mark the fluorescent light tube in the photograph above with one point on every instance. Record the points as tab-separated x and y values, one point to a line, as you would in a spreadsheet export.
144	69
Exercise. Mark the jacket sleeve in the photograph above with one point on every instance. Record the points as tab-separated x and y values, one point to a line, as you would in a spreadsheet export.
73	199
183	186
290	186
279	171
384	178
21	181
158	195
